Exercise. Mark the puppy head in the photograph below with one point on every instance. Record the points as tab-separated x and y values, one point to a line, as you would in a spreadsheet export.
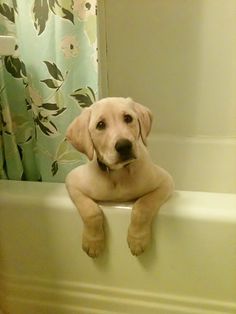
112	127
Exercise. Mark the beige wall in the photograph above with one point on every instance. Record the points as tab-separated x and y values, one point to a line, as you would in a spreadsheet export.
179	58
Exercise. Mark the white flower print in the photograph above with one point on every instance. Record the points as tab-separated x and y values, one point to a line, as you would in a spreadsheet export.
70	46
84	8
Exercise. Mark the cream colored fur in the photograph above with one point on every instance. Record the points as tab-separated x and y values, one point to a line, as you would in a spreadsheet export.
96	132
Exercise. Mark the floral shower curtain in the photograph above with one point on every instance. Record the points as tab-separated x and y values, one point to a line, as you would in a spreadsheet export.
45	84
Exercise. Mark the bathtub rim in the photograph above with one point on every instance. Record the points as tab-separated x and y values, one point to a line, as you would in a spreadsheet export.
203	205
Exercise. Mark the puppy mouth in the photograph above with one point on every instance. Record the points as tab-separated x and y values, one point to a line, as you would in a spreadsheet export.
126	158
119	164
125	161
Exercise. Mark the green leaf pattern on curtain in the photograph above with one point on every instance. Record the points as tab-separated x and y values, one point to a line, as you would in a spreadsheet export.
50	77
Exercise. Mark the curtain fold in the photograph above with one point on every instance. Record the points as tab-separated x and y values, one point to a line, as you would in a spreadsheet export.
51	76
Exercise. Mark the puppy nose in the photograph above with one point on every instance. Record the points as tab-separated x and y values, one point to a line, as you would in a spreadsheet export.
123	147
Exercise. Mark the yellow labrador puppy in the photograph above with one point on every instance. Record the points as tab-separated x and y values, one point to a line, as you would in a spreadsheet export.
112	133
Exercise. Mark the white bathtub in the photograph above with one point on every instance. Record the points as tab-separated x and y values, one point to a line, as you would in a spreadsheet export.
189	268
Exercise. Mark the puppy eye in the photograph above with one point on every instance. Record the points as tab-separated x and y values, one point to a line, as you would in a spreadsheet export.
128	118
101	125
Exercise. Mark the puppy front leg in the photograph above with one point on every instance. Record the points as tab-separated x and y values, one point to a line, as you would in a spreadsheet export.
93	231
143	212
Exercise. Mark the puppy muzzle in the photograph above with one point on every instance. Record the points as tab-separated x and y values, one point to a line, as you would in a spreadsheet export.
124	148
125	151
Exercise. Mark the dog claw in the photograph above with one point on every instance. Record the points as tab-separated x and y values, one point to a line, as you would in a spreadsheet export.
138	245
93	248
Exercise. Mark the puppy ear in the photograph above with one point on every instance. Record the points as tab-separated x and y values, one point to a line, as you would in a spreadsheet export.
145	120
78	134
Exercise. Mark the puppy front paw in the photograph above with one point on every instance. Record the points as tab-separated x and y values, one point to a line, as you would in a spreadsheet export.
93	247
93	241
138	242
